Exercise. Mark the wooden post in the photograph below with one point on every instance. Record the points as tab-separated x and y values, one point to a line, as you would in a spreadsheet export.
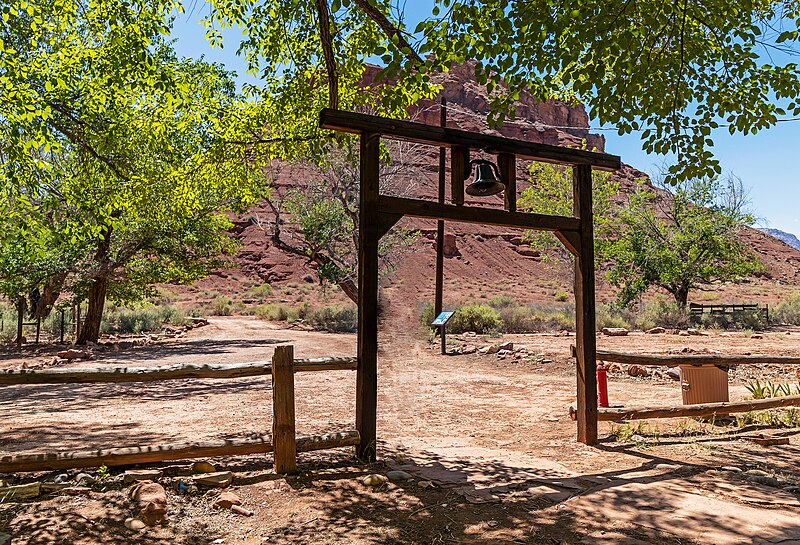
77	321
61	335
20	318
283	428
459	170
38	328
507	164
368	237
439	292
585	349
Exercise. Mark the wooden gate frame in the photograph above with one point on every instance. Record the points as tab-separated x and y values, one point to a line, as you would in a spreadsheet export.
378	213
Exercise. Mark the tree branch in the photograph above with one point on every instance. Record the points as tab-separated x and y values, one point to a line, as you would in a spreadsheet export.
388	28
323	21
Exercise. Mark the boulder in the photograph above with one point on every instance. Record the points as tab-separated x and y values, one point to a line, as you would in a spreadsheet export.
134	524
615	331
655	330
227	499
74	354
450	247
136	475
398	475
150	500
203	467
220	479
506	346
674	373
637	371
375	479
469	349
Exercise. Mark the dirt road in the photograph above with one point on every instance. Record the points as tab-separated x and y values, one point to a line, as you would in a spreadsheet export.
491	436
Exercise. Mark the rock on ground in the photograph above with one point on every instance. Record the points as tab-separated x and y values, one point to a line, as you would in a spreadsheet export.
150	499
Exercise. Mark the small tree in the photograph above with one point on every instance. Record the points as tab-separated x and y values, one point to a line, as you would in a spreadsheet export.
550	192
322	211
679	240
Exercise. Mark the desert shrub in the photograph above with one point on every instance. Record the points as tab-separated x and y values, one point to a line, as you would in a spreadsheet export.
667	314
139	320
788	310
561	296
607	316
502	301
262	290
521	320
222	306
334	318
426	314
477	318
278	312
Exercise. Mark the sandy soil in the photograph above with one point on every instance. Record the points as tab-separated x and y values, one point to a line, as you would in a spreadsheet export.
492	436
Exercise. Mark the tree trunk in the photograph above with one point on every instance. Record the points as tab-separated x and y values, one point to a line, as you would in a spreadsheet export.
90	331
681	295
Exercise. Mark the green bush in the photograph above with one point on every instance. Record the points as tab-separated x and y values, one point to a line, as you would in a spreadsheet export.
139	320
502	301
788	310
334	318
222	306
477	318
276	312
667	314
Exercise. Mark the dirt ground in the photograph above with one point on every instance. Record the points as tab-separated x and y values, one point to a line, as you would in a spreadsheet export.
488	442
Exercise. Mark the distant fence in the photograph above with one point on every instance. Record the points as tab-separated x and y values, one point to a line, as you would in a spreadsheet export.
694	410
283	442
735	312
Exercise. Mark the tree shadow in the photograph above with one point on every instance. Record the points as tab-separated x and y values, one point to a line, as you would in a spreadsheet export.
492	501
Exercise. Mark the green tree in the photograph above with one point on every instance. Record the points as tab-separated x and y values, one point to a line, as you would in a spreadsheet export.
675	71
322	211
124	176
677	241
550	192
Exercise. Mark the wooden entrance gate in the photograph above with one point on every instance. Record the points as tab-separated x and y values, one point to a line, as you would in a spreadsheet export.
378	213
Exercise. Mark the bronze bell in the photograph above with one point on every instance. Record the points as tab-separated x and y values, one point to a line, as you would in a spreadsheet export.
487	179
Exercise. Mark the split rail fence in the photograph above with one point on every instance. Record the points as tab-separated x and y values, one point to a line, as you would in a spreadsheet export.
614	414
283	443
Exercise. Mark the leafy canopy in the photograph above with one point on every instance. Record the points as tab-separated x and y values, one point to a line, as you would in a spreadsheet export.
674	70
681	240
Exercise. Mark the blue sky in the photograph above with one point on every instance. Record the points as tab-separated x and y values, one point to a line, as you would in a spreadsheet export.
766	162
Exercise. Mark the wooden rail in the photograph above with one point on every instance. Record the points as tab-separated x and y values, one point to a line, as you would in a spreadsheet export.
165	452
283	442
671	360
170	372
700	409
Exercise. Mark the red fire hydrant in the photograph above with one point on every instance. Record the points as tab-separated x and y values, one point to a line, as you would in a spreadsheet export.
602	385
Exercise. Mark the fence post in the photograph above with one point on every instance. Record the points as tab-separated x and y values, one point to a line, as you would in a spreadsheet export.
283	422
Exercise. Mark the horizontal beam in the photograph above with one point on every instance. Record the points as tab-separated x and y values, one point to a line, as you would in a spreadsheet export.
161	453
170	372
671	360
445	137
700	409
474	214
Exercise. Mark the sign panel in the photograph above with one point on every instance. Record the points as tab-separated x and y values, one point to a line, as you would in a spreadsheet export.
442	318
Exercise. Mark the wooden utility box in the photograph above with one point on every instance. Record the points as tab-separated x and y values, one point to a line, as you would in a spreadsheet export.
703	384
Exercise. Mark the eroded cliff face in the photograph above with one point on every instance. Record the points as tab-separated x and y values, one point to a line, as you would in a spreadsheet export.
552	122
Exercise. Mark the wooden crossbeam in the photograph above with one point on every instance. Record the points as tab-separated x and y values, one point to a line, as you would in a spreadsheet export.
672	360
474	214
698	410
447	137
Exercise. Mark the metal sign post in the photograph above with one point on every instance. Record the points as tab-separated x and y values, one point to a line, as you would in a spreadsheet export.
441	323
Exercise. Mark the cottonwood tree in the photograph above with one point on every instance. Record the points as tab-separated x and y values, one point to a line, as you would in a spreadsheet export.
119	160
317	217
680	239
550	191
675	71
